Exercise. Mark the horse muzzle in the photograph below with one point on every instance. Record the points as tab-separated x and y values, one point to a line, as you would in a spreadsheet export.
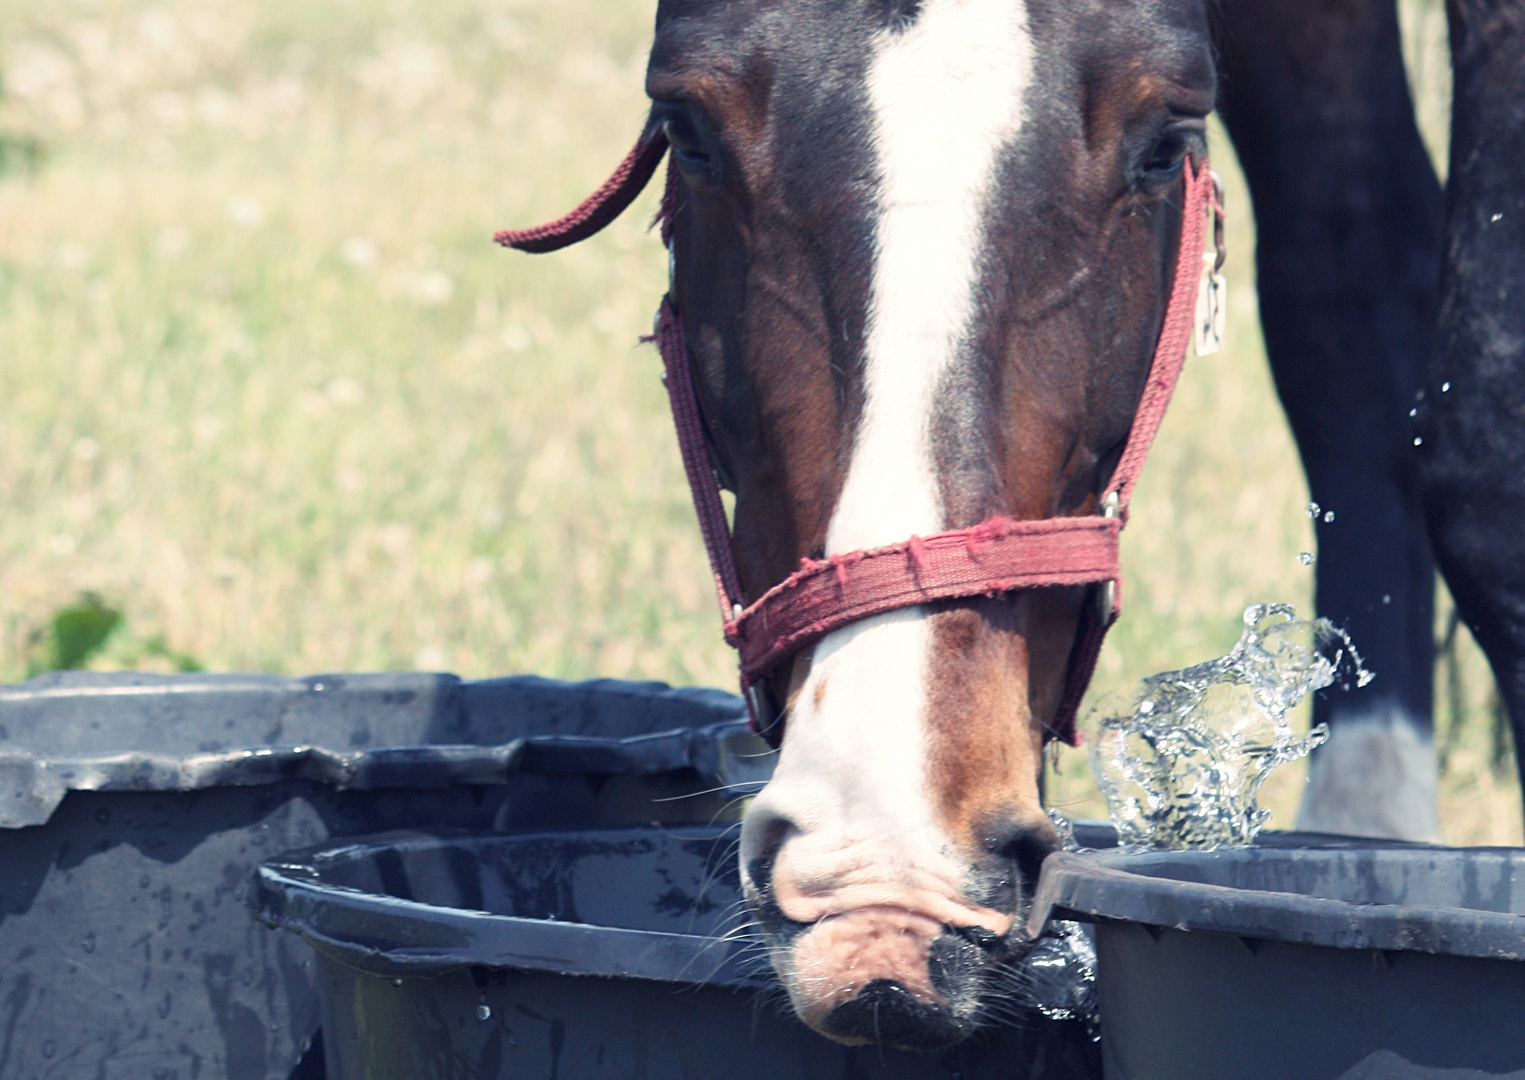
870	960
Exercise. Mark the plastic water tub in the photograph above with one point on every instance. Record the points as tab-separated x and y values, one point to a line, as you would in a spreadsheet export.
1331	959
577	956
135	808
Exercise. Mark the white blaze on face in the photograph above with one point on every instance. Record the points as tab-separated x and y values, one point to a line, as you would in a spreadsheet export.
947	98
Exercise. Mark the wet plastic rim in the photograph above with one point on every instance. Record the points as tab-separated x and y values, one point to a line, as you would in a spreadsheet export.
1099	888
391	937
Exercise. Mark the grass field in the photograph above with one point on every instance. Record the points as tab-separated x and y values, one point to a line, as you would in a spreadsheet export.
266	387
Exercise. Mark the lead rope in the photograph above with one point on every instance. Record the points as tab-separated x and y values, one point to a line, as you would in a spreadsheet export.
597	210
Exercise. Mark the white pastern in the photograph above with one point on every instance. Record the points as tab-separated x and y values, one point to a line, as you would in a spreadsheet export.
947	96
1376	776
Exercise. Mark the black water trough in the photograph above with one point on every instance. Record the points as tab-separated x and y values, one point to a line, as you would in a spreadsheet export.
1329	960
577	956
134	809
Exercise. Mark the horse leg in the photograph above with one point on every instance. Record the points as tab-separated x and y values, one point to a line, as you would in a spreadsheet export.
1348	212
1472	422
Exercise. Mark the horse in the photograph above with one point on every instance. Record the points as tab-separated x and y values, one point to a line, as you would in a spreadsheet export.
929	266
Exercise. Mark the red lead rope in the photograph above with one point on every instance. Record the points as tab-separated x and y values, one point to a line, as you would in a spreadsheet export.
988	559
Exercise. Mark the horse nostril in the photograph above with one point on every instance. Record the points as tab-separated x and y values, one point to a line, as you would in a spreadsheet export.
763	834
1026	845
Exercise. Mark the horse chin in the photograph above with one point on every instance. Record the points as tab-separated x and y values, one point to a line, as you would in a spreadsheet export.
889	977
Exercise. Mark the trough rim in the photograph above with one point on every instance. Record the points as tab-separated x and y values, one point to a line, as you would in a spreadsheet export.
429	940
1098	887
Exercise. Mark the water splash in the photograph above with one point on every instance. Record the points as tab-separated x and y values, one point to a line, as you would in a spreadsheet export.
1181	764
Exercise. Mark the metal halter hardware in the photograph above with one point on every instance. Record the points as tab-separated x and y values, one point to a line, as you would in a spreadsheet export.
1106	592
989	559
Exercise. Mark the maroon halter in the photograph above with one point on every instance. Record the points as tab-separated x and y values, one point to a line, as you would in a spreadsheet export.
988	559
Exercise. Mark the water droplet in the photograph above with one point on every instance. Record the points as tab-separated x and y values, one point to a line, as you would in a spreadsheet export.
1418	440
1312	509
1305	557
1419	395
1445	387
1328	517
396	982
484	1012
1413	413
88	944
1386	599
1497	217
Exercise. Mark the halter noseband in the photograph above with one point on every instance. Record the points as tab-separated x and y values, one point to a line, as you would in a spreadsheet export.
988	559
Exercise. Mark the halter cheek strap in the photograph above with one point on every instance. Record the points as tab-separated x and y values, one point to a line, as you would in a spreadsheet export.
989	559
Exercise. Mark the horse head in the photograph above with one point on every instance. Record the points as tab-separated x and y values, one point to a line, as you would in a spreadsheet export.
922	252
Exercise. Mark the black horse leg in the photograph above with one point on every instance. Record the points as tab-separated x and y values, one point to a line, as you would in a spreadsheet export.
1472	422
1348	213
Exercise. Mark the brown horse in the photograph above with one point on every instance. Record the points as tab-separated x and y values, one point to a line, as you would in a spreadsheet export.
922	251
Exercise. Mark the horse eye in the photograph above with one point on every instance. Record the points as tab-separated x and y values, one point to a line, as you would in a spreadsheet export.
1168	154
687	144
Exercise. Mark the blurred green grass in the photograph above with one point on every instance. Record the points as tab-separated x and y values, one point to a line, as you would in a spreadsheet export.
268	387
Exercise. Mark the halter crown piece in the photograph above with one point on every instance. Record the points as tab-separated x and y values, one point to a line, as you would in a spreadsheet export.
988	559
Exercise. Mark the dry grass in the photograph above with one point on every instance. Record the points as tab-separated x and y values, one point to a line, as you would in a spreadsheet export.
268	387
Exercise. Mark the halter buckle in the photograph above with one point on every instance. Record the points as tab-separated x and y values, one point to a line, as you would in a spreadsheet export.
1106	592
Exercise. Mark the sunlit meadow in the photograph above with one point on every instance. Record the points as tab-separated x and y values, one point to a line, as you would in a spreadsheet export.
266	386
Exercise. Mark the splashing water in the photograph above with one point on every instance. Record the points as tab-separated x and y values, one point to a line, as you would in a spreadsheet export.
1182	764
